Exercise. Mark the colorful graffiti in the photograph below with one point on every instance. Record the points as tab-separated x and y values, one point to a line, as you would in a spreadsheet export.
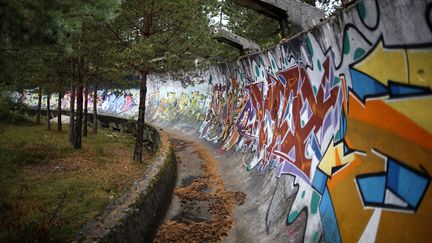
343	108
184	106
110	102
353	126
188	105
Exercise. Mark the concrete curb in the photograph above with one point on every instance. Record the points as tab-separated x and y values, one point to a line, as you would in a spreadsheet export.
135	216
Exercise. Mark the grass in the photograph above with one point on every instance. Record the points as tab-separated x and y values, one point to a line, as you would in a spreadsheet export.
50	190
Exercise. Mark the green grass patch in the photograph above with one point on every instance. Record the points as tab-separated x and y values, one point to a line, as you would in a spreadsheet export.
50	190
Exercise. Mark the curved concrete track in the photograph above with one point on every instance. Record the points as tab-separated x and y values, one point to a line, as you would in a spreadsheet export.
336	120
217	199
202	207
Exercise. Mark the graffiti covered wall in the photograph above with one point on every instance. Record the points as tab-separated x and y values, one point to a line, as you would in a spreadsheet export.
167	98
122	103
343	108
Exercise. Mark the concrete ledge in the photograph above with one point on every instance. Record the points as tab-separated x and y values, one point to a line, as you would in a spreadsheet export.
107	121
244	45
135	216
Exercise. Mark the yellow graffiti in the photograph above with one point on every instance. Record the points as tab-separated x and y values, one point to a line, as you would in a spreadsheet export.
420	67
334	157
410	66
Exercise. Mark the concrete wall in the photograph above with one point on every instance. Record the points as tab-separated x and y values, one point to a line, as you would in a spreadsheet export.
340	115
343	108
135	216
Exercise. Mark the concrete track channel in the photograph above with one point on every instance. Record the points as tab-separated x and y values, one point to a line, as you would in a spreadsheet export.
202	208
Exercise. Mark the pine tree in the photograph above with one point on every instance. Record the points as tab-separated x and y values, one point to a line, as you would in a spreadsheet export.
157	36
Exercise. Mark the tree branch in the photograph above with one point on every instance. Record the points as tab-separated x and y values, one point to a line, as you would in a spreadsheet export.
118	36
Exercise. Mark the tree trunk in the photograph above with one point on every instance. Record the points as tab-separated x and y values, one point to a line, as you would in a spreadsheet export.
59	113
38	112
48	112
85	107
141	116
72	102
95	123
79	112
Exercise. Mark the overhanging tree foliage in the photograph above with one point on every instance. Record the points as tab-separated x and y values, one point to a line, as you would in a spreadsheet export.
157	36
249	24
26	23
53	44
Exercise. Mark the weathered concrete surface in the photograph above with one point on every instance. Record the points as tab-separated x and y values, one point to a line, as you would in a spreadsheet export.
251	221
135	216
202	208
328	133
244	45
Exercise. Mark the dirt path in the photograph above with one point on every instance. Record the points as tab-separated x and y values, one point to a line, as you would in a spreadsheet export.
202	209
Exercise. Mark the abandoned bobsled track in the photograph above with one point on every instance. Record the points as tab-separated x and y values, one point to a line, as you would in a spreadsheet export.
216	199
326	136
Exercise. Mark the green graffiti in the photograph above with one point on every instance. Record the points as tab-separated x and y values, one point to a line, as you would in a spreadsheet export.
315	90
315	237
273	64
292	217
337	135
303	192
257	71
346	46
309	46
361	8
314	202
261	61
319	65
359	52
336	80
